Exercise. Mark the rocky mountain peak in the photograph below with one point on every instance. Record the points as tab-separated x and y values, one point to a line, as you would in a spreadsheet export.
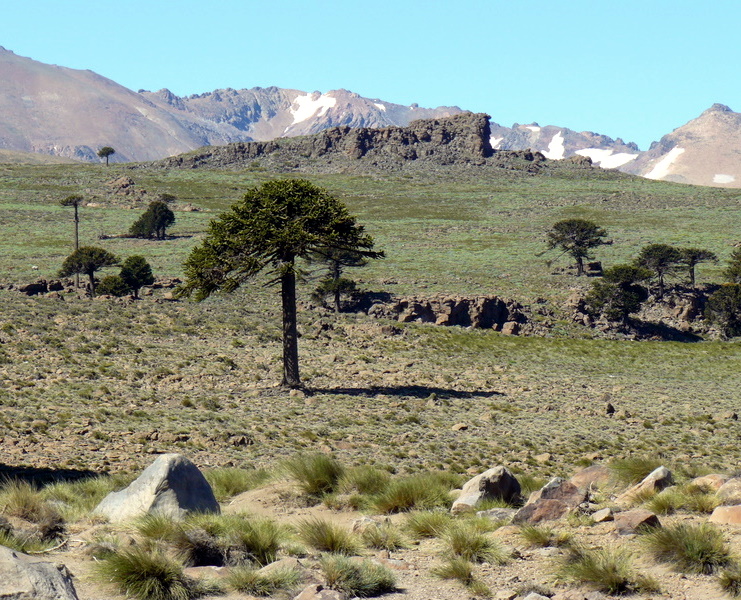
716	108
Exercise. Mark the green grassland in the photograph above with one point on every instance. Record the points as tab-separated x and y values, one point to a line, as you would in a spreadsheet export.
86	384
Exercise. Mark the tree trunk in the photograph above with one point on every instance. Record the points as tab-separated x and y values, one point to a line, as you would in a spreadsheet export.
337	305
692	276
77	242
579	266
92	284
291	376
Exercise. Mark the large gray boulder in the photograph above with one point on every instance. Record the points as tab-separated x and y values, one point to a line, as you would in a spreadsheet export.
171	485
496	483
24	577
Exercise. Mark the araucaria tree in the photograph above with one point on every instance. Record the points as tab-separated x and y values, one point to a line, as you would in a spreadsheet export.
87	260
334	284
577	237
732	272
106	152
619	293
691	257
75	200
269	230
136	273
661	260
154	221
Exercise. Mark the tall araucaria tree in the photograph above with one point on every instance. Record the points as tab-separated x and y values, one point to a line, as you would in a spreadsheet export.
269	230
577	237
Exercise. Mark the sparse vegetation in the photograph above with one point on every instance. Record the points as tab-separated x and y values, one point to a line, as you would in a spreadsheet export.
690	548
362	579
327	536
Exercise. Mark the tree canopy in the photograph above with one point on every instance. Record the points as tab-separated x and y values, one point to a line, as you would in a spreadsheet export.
154	221
87	260
273	226
660	259
691	257
106	152
577	237
136	273
619	293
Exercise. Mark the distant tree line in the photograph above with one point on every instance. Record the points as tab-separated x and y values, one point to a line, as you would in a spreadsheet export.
623	288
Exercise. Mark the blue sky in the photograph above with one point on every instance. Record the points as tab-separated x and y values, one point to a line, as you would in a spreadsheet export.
630	69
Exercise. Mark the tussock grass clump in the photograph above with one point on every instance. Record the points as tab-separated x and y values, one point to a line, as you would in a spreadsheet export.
629	471
428	524
383	537
326	536
420	492
75	499
147	575
606	569
24	543
157	527
257	538
229	481
316	474
363	579
455	568
22	500
364	480
730	580
542	537
249	580
690	548
690	498
464	541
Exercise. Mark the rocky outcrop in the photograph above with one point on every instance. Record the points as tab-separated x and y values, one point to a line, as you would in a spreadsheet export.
459	139
480	312
171	485
495	484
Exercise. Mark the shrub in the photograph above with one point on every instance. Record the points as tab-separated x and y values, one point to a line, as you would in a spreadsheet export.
147	575
463	541
383	537
542	537
326	536
364	480
455	568
259	539
420	492
730	580
362	579
316	474
428	524
157	527
249	580
606	569
691	548
228	482
20	499
113	285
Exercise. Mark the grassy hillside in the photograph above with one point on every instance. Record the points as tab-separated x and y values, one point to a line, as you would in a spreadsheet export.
87	384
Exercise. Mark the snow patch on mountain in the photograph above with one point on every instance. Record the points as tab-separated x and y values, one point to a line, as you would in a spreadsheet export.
661	169
380	106
606	158
556	149
532	128
311	106
720	178
495	141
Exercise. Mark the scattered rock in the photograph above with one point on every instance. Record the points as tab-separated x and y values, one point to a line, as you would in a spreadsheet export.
496	483
317	591
655	481
730	492
171	485
498	514
711	482
593	477
631	521
459	427
727	515
603	515
24	577
555	499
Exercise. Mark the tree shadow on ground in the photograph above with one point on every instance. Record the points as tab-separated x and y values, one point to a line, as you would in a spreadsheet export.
44	475
661	331
415	391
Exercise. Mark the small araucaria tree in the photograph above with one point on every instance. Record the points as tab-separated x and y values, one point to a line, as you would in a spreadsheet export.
269	230
106	152
87	260
154	221
136	273
334	284
691	257
619	293
661	260
74	201
577	237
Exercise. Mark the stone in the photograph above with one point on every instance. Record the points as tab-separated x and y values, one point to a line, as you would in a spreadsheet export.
712	482
654	482
535	596
593	477
496	483
730	492
543	510
727	515
497	514
317	591
559	489
631	521
602	515
171	485
511	328
459	427
505	595
24	577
